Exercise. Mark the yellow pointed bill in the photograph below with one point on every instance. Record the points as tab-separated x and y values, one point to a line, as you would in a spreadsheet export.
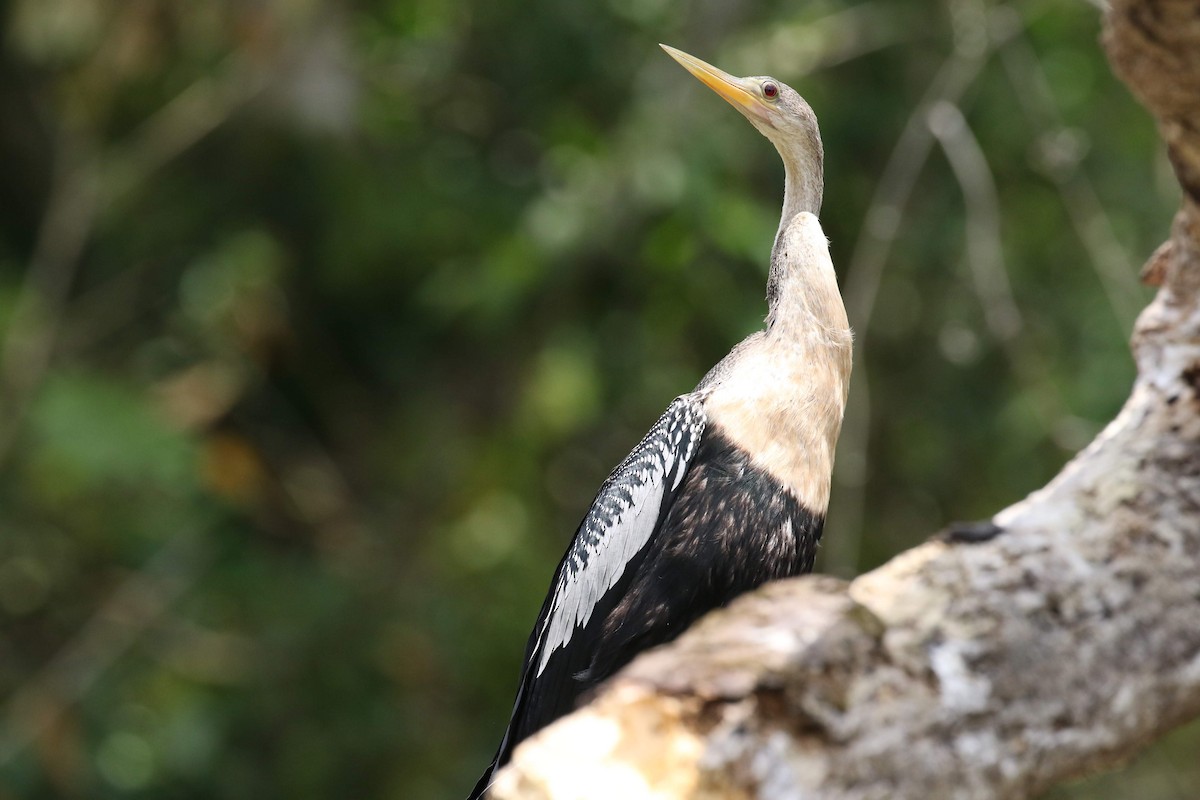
741	93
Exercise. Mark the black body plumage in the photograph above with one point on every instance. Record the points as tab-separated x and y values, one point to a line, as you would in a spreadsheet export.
721	526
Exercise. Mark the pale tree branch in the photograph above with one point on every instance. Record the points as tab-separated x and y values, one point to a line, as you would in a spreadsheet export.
1063	645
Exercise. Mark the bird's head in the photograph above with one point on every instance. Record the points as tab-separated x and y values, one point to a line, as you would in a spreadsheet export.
776	109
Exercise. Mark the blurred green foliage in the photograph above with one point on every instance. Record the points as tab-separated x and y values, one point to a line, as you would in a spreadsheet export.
321	322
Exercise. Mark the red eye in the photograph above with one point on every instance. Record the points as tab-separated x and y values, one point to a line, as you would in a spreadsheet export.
770	90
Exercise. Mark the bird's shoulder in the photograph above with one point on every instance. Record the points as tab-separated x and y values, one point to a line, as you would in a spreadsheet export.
741	352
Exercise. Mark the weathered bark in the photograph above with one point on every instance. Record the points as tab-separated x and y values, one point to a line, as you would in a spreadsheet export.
986	670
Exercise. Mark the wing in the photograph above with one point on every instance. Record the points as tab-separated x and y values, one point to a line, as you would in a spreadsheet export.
627	510
611	539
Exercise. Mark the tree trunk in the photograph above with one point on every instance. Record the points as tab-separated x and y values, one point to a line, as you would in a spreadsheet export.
1064	644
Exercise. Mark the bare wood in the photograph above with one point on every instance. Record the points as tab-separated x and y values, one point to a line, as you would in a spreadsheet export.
991	670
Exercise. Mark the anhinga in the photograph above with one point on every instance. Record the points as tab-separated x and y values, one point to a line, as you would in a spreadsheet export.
730	487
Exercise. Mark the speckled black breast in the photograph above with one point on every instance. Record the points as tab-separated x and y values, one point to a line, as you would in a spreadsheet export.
731	528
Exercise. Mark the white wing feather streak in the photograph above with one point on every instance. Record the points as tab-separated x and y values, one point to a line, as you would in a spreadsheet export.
620	522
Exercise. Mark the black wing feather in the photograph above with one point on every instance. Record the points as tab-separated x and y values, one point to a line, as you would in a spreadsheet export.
609	545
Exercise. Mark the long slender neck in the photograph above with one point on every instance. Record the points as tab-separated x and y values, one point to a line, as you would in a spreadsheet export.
803	183
803	187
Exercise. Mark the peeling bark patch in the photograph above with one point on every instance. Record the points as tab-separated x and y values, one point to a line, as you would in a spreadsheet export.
1154	272
1191	376
970	532
1189	180
1138	19
776	708
961	689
